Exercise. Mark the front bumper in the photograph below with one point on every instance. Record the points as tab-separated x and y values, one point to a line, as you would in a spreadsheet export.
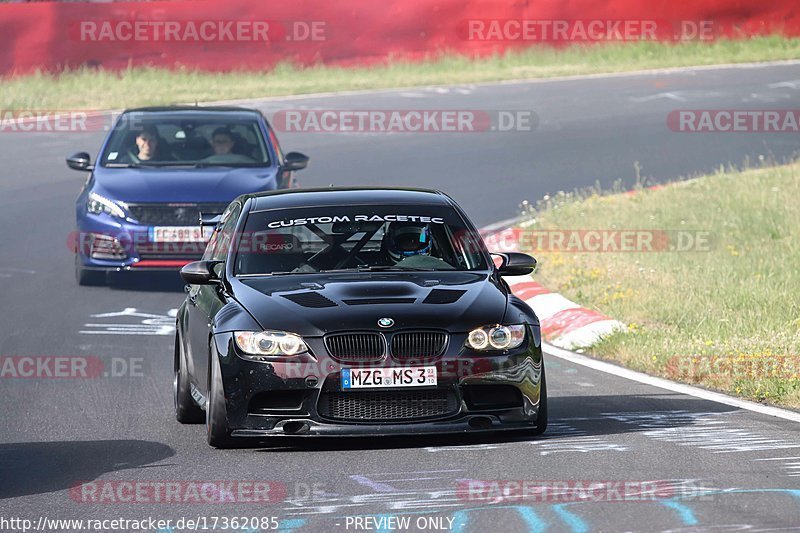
134	246
308	428
293	398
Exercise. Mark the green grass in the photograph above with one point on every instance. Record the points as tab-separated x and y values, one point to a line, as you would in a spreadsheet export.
88	88
727	317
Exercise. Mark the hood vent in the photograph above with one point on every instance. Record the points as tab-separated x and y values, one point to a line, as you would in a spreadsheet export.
310	299
443	296
379	301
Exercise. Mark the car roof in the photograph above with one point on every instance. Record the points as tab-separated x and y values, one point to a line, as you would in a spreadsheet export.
187	109
327	196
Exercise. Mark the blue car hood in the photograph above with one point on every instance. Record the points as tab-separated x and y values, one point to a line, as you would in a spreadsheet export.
213	184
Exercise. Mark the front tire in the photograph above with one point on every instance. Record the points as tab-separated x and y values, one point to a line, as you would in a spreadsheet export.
218	432
186	410
86	277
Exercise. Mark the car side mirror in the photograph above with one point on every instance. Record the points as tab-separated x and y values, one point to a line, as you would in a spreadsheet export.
80	161
201	273
295	161
210	220
516	264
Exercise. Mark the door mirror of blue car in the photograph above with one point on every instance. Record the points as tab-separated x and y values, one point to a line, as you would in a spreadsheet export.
516	264
80	161
295	161
201	273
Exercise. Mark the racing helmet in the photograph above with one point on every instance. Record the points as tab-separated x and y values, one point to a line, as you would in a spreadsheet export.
404	239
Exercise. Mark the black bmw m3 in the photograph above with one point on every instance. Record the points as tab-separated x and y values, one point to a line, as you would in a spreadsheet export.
354	311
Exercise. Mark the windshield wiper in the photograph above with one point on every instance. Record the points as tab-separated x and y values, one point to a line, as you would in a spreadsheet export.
381	268
142	164
123	165
188	164
231	165
386	268
263	274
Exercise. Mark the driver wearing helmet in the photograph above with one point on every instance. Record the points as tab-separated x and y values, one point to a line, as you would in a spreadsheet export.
409	245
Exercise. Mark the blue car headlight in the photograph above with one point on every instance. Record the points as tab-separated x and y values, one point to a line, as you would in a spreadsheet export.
496	337
100	204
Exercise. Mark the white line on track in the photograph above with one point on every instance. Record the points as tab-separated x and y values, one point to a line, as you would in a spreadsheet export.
680	388
417	472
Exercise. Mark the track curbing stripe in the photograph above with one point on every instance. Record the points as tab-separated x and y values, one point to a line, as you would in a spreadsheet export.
564	322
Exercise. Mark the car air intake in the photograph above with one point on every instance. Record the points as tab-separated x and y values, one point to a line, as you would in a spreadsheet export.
105	247
387	405
190	251
355	346
491	397
379	301
418	344
269	401
443	296
310	299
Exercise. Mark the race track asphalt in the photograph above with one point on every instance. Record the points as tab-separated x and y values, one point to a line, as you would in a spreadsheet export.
716	467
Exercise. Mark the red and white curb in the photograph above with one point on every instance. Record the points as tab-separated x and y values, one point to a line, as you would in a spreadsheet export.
568	326
564	323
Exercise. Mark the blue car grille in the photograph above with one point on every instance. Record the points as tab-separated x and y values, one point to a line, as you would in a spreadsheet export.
173	214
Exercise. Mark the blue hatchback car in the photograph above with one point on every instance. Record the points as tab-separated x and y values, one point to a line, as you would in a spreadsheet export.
159	170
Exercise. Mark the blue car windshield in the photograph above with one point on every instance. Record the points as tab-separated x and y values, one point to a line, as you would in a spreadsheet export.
153	139
357	238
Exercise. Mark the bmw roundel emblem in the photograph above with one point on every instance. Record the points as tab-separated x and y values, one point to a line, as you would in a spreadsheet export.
385	322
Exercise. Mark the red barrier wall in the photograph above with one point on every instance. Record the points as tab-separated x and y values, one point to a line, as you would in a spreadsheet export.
52	36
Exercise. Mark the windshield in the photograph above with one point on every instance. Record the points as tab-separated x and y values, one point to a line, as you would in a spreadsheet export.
159	139
370	238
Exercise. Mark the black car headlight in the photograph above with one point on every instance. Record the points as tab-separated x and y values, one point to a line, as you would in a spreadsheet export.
269	343
497	337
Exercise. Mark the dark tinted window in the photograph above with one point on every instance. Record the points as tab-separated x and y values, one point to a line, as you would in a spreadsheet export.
218	245
318	239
